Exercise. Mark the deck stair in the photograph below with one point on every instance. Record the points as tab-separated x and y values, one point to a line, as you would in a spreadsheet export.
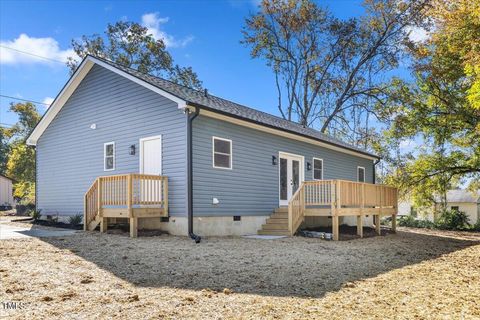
277	224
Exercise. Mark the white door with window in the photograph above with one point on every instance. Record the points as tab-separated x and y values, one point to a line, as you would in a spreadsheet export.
290	176
150	163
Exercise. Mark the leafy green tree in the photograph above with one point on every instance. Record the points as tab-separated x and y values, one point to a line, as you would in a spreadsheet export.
4	149
21	158
130	44
442	108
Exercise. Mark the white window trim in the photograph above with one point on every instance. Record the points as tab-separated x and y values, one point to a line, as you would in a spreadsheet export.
313	168
105	155
140	142
364	174
213	153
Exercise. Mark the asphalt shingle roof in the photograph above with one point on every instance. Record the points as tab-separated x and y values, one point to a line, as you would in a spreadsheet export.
462	196
214	103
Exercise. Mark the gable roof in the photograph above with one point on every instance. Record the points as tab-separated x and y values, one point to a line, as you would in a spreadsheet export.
1	175
187	96
462	196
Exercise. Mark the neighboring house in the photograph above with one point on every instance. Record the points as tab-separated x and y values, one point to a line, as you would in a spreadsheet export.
6	192
228	166
465	201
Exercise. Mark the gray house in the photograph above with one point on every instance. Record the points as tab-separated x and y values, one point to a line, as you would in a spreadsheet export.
120	144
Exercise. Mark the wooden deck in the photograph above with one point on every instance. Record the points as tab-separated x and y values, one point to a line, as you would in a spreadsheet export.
130	196
337	198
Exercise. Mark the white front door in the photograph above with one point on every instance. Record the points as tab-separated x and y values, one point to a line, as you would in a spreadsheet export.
290	176
151	155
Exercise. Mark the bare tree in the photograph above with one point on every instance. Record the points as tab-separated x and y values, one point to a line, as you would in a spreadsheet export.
331	74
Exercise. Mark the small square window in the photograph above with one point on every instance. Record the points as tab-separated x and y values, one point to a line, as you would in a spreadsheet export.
222	153
360	174
317	169
109	156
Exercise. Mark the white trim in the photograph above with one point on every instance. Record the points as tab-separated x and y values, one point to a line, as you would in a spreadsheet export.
313	168
281	133
364	172
105	155
302	171
74	82
213	153
140	142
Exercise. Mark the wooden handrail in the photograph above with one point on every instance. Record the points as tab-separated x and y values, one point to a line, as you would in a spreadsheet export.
338	194
125	190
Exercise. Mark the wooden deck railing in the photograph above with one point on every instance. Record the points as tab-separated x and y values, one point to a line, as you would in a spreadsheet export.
125	191
340	198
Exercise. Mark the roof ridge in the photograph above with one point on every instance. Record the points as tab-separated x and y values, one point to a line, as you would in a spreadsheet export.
323	136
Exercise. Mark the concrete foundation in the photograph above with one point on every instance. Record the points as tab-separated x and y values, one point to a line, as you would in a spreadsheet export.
206	226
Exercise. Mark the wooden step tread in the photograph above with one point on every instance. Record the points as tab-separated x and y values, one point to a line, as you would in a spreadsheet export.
273	233
275	226
277	220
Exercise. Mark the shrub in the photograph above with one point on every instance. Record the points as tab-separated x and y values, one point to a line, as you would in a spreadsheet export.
35	214
75	220
476	226
410	221
453	220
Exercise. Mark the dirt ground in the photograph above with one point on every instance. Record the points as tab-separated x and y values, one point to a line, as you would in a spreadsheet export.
414	274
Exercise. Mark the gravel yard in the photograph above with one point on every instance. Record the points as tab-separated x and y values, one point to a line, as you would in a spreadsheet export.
412	274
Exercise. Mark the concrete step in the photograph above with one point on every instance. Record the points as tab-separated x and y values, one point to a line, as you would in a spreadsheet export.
275	226
273	233
277	220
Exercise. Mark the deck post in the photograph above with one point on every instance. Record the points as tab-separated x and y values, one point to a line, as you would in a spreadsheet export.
103	224
133	227
335	222
377	225
103	227
360	226
85	205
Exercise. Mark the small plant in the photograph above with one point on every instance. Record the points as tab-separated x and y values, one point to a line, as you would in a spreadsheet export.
453	220
75	220
36	214
476	226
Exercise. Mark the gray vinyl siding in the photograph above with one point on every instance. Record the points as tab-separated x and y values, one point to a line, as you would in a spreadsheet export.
70	153
251	187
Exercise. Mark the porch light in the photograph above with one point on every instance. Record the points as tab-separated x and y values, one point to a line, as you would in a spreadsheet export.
309	166
132	150
274	161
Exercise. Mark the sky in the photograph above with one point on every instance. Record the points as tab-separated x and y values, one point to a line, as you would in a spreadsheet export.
202	34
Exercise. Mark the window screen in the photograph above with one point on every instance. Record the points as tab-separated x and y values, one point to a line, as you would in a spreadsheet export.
222	153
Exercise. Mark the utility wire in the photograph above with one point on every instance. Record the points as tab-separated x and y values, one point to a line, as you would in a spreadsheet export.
32	54
20	99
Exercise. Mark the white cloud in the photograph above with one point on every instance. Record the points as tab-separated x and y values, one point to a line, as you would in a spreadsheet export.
417	34
48	101
152	22
408	145
36	48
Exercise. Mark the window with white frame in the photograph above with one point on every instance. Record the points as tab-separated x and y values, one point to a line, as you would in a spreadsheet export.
222	153
360	174
109	156
317	169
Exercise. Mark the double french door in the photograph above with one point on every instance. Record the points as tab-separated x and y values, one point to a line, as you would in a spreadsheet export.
290	176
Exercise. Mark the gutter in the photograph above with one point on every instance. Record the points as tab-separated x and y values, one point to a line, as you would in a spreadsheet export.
197	105
190	118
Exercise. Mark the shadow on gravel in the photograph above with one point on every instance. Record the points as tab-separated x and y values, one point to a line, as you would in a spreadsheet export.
295	266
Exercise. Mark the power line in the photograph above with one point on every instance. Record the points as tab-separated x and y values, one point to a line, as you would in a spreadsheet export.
20	99
32	54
